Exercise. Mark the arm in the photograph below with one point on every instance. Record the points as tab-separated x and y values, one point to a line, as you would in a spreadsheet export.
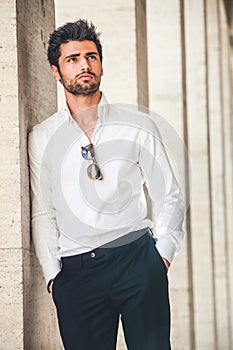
43	219
165	195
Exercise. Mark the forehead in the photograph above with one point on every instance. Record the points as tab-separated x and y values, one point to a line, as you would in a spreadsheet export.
76	46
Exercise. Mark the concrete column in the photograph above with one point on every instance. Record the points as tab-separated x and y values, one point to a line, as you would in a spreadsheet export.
166	95
198	141
215	121
28	95
141	53
227	137
11	274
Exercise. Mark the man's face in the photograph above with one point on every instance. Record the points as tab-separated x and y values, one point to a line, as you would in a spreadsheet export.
80	68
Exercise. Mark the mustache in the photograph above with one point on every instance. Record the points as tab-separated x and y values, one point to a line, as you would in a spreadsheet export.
84	73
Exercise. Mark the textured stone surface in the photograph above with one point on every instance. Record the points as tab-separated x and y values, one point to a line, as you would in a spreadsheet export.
227	135
40	321
10	235
27	95
198	141
11	288
11	299
37	101
215	106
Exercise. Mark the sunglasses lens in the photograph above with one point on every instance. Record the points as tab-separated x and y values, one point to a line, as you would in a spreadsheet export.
93	170
94	173
88	152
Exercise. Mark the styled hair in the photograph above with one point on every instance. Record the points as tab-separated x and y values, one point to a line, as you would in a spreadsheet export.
78	30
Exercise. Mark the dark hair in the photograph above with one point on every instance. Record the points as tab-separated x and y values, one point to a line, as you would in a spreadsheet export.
79	30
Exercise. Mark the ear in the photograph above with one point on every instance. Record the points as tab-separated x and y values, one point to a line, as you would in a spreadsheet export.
55	73
102	72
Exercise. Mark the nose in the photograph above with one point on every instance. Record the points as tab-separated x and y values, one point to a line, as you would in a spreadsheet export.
85	66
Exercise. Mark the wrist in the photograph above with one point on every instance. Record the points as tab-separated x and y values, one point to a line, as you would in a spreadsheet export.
166	262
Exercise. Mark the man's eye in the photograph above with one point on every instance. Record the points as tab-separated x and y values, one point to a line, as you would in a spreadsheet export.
92	57
72	59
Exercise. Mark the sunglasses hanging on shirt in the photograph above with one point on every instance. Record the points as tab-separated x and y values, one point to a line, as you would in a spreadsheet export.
93	170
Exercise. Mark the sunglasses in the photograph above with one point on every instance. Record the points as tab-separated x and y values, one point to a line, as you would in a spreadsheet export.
93	170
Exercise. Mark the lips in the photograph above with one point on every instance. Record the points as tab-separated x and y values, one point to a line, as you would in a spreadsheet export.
85	76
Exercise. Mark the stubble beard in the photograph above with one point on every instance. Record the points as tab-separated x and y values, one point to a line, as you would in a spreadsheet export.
75	88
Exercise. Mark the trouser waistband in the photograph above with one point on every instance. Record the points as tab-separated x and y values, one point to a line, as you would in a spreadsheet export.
122	242
126	239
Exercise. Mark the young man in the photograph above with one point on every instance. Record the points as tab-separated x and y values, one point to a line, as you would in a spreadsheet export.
89	163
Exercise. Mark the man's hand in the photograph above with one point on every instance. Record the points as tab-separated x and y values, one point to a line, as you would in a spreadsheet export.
50	286
166	262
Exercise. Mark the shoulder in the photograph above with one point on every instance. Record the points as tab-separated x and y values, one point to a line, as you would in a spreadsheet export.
52	123
49	126
137	117
41	133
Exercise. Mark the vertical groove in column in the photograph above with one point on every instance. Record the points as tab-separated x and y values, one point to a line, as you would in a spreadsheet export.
226	101
209	167
231	131
187	192
224	167
141	52
217	170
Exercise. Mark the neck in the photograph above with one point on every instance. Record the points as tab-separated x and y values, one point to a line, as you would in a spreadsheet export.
78	103
84	110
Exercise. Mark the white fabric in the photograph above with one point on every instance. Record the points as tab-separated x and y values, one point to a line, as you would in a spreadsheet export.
72	214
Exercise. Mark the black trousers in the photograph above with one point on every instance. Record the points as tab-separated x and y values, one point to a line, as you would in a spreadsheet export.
93	289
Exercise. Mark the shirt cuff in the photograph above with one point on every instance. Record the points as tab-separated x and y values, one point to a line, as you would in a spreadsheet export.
50	269
166	248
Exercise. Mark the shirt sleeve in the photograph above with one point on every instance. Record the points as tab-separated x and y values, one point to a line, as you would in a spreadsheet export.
165	194
43	218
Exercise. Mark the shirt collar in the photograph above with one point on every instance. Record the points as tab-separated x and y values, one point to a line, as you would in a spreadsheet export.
103	110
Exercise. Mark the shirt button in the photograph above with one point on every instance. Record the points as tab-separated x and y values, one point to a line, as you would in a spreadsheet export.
92	255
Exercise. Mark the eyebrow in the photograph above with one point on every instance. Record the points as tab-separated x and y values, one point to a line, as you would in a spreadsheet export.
78	54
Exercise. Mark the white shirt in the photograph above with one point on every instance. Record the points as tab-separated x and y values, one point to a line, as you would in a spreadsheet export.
73	214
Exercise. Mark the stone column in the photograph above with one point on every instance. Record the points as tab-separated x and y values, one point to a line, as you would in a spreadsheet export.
196	95
11	273
216	154
28	95
227	137
167	96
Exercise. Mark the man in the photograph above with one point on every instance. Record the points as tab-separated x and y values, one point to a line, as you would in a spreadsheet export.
89	164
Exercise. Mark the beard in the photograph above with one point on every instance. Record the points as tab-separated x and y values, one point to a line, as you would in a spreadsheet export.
85	88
